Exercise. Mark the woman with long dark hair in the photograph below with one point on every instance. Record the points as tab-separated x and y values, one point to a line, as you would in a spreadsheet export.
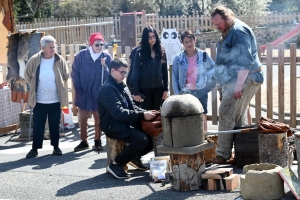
150	72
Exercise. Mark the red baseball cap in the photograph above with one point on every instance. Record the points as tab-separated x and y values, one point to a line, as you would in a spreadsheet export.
94	37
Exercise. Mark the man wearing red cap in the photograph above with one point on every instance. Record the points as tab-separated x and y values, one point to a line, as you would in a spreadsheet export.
89	72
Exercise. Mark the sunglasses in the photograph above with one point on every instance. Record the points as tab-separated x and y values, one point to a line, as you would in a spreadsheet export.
123	73
97	45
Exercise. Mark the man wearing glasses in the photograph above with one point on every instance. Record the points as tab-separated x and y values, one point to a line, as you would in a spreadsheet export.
120	119
238	72
89	72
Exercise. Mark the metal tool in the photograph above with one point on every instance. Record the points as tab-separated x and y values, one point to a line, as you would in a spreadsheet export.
246	130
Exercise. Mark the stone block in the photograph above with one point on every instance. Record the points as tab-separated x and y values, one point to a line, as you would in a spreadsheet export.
167	131
187	131
185	150
181	106
261	182
232	182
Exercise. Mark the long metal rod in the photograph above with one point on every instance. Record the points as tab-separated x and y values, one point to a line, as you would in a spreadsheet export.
232	131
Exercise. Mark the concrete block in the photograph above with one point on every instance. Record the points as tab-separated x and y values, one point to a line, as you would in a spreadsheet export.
232	182
187	131
167	131
185	150
261	182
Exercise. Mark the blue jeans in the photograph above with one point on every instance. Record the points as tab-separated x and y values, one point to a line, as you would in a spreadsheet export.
40	113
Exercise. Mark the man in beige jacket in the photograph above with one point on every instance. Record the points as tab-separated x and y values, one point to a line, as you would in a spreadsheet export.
47	73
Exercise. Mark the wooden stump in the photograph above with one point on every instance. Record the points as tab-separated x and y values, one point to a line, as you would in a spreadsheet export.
187	170
273	148
114	147
209	154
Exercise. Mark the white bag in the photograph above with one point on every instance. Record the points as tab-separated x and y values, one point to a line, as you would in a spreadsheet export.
68	120
159	166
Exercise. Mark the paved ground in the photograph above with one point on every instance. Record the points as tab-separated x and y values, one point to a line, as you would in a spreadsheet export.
82	175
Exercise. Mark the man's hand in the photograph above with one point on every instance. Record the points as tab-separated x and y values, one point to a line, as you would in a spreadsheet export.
165	95
238	91
103	62
242	76
138	98
149	115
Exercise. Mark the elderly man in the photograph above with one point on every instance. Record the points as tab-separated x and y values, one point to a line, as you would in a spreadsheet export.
238	72
47	73
89	72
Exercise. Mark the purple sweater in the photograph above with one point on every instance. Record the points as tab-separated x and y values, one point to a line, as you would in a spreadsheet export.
86	76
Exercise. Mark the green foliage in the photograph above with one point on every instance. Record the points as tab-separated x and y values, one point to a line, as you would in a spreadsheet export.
27	9
246	7
285	6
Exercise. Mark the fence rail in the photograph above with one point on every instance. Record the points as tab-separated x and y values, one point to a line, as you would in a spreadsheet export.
194	23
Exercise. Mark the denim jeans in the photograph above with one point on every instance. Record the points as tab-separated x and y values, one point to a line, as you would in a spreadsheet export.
40	114
139	144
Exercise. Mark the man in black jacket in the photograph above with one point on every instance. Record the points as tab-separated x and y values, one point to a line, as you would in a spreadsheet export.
120	119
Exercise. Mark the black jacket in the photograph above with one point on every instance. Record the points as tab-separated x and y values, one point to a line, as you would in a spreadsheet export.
150	74
116	109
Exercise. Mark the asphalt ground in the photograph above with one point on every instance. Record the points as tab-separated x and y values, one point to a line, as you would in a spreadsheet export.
82	175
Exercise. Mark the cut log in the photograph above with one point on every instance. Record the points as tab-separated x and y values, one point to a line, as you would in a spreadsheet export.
187	170
114	148
273	148
209	154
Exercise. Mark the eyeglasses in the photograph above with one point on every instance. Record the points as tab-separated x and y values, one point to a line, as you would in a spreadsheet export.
97	45
152	37
123	73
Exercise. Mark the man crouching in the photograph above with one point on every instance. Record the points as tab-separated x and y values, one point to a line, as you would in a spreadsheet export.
120	119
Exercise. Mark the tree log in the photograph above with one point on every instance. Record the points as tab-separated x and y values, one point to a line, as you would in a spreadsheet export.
114	148
187	170
273	148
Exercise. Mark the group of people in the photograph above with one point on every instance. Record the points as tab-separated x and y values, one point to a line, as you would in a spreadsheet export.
100	89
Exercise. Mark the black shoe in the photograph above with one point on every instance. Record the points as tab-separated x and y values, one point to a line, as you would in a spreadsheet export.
98	146
57	151
117	171
82	146
137	163
32	153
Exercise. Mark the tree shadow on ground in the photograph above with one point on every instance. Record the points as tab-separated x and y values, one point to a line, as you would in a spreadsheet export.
41	162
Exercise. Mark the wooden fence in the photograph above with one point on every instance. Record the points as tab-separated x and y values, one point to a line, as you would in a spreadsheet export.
79	29
266	95
280	112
